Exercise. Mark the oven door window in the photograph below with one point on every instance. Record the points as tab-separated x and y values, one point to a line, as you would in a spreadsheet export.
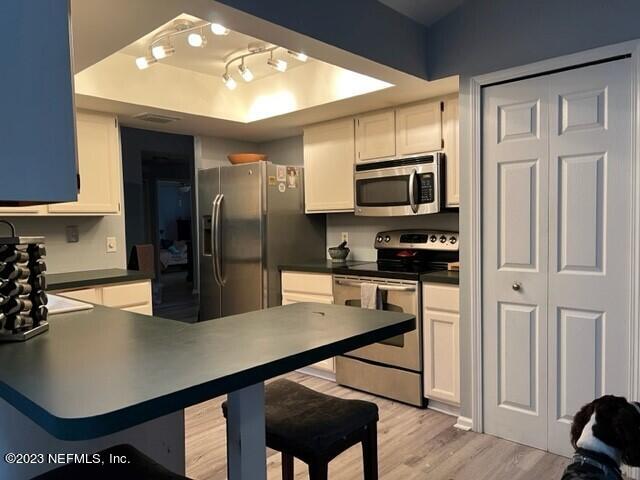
398	340
383	192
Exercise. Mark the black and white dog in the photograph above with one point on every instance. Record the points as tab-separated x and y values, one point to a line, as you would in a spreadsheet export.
606	435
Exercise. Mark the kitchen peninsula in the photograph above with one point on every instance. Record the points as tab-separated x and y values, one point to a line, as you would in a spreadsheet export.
104	373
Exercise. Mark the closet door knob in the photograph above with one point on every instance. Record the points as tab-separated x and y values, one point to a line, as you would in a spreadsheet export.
516	286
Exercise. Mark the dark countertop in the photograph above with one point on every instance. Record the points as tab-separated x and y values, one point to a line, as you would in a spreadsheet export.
64	281
321	266
443	276
99	371
369	269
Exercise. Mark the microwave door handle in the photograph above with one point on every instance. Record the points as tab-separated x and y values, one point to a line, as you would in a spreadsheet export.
389	288
412	181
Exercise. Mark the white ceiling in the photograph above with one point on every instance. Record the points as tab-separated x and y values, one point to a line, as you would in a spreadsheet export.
426	12
211	58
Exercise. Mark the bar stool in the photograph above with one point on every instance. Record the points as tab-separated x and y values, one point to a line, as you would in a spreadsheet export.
316	428
139	467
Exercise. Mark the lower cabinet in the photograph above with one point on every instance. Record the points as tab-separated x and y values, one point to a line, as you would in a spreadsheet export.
441	331
132	297
309	287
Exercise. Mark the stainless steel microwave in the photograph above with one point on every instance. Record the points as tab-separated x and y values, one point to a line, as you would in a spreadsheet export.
406	186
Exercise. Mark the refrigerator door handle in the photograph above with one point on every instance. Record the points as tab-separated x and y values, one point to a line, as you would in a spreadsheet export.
214	251
217	258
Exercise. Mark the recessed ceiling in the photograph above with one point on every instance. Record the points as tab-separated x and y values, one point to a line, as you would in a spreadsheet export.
211	58
426	12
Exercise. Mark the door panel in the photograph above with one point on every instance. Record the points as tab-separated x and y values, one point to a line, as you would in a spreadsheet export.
208	189
590	199
557	242
242	233
515	230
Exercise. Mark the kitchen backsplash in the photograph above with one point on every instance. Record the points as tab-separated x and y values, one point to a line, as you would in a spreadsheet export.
362	230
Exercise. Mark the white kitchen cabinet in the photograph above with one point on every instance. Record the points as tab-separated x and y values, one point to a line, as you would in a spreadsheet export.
441	331
419	128
329	152
450	135
309	287
375	136
133	296
99	165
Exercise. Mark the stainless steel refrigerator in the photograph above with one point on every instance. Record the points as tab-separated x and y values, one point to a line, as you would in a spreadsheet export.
251	220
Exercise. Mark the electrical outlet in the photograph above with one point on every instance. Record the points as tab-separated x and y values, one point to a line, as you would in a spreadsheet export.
345	237
112	245
73	235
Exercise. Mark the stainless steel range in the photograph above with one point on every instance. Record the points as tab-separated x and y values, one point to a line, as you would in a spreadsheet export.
393	368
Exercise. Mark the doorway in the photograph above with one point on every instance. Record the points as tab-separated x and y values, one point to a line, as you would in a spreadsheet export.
557	238
159	208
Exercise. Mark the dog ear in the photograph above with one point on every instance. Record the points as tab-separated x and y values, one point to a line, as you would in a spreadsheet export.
627	427
580	420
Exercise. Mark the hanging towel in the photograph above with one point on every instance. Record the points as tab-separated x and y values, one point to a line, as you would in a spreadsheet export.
371	296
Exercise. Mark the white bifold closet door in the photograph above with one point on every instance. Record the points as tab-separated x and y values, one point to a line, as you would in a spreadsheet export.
556	248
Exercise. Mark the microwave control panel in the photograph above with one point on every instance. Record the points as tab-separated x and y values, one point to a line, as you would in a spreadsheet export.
426	190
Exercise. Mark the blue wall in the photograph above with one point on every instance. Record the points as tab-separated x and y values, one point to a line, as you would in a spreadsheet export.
365	27
484	36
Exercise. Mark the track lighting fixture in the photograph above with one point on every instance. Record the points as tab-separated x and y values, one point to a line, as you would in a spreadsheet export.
298	55
162	51
229	81
145	62
279	65
196	39
245	73
218	29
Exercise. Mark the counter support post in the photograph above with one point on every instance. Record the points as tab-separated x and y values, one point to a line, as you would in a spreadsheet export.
246	444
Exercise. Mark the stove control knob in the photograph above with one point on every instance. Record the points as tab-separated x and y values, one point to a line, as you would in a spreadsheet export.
433	238
387	239
453	240
443	239
379	239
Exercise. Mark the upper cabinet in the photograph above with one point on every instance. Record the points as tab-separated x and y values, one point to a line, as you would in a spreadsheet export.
450	133
419	128
99	165
329	151
375	136
37	135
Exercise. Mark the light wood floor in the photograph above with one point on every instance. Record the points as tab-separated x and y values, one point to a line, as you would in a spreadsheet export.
413	445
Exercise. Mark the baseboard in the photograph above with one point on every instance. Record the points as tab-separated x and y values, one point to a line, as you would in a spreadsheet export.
316	372
464	423
443	408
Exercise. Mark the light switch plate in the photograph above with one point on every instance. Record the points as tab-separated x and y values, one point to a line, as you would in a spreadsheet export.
112	245
73	234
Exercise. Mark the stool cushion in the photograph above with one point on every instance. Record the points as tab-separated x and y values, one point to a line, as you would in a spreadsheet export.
307	423
139	467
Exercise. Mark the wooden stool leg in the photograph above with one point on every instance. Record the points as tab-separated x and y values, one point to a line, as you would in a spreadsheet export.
287	466
370	452
318	471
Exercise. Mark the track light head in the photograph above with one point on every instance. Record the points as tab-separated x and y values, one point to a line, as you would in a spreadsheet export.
196	39
298	55
162	51
218	29
229	81
279	65
145	62
245	73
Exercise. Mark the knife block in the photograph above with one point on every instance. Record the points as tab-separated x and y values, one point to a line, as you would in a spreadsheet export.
23	297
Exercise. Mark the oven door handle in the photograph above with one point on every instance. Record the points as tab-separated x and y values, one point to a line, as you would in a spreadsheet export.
390	288
412	181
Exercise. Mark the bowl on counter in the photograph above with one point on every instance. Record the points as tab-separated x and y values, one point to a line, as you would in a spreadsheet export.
238	158
339	253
